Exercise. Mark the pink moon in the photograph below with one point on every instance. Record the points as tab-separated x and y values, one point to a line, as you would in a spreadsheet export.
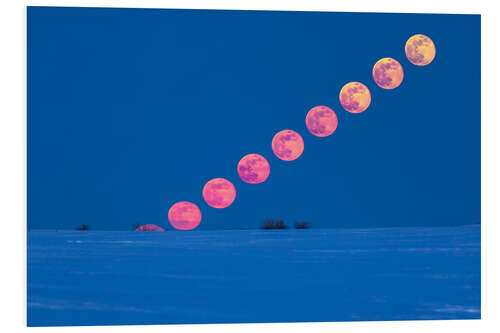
321	121
184	215
253	169
388	73
149	227
219	193
287	145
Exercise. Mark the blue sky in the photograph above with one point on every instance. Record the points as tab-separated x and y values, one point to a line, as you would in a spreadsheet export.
132	110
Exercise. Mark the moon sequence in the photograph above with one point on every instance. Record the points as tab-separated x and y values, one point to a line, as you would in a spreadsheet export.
288	145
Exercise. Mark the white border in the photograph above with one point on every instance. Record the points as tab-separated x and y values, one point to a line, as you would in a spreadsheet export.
13	159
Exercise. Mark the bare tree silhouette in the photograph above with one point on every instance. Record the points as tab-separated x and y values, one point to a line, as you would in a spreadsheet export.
270	223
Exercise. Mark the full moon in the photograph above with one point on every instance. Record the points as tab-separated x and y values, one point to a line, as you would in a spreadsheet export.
420	50
355	97
388	73
184	215
219	193
287	145
321	121
253	169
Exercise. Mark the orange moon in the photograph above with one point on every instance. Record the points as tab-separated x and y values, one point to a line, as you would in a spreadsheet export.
420	50
355	97
287	145
321	121
388	73
253	169
184	215
219	193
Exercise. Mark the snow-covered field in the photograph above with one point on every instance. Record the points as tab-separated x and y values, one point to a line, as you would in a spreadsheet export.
106	278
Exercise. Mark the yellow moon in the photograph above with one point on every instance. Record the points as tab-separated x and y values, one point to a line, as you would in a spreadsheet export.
388	73
420	50
355	97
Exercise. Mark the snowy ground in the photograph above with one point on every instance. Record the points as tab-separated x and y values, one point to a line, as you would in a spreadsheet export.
106	278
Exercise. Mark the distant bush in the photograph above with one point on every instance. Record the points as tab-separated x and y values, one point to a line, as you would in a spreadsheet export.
268	224
302	225
83	227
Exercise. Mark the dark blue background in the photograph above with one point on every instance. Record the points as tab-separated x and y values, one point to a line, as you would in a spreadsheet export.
131	110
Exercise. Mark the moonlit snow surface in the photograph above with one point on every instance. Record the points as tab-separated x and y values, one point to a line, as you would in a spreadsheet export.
109	278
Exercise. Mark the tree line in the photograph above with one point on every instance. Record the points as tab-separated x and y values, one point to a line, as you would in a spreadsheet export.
266	224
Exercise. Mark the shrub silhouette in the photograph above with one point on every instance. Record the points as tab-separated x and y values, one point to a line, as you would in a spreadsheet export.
83	227
302	225
268	224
